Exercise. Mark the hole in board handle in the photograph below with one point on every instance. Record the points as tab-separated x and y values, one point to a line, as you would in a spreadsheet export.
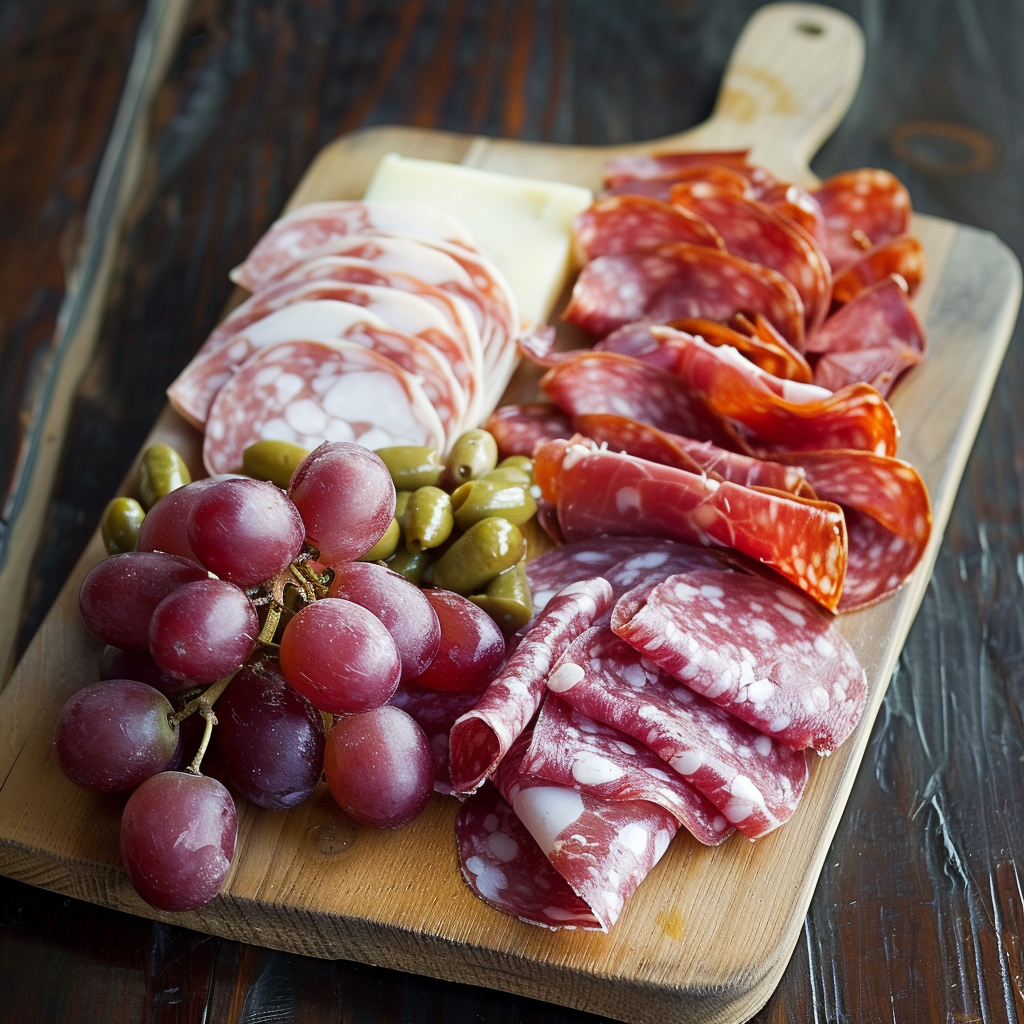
810	28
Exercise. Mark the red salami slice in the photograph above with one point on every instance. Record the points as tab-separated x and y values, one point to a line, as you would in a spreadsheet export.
903	256
875	318
308	392
599	492
502	863
755	782
882	367
572	750
482	737
518	429
760	651
435	712
760	234
888	518
795	203
603	849
668	166
313	230
860	209
622	224
678	280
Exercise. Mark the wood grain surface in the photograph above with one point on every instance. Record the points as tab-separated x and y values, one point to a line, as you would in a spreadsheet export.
911	853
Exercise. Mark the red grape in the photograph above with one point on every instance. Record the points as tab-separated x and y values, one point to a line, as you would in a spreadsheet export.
113	735
399	604
269	739
120	594
246	531
118	663
472	647
165	527
346	498
203	631
177	839
340	657
379	767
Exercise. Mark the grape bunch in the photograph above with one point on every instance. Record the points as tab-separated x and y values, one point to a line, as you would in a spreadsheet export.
278	605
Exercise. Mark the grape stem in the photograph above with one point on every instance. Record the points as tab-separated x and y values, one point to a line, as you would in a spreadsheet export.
204	705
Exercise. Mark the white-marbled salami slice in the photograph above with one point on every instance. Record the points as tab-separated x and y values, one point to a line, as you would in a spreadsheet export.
755	782
483	736
308	392
759	650
573	750
312	231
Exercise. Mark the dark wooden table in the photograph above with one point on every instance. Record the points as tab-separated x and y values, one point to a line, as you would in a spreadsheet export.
919	912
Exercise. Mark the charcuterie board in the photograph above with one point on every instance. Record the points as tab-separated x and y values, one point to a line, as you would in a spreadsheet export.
709	933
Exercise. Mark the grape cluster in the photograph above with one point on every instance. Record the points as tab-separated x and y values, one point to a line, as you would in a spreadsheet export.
245	595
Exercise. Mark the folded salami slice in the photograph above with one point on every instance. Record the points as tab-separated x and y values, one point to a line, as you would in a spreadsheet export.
759	234
877	316
758	341
757	649
903	256
795	203
573	750
435	712
518	429
484	735
314	230
677	280
668	166
888	518
860	209
600	491
308	392
755	782
503	865
881	368
622	224
603	848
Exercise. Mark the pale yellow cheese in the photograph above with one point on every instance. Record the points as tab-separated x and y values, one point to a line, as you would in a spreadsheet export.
522	224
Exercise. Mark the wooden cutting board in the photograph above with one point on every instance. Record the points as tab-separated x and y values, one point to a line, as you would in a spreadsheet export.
708	935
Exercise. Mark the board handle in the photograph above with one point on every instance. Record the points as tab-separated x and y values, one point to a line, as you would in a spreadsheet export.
791	77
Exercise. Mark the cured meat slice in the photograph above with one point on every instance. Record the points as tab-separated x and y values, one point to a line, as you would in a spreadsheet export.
903	256
599	492
308	392
888	518
875	318
313	230
860	209
621	224
603	849
677	280
757	649
503	865
760	234
879	367
668	166
483	736
757	340
518	429
622	434
795	203
435	711
755	782
573	750
418	353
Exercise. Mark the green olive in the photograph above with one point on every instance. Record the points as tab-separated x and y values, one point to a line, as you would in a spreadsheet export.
487	548
427	520
386	546
401	504
474	453
120	524
492	496
163	470
411	466
412	565
507	599
520	463
275	461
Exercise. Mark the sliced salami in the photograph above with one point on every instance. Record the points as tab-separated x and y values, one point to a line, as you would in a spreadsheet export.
308	392
518	429
482	737
314	230
669	166
755	782
600	492
876	317
881	368
677	280
573	750
603	849
757	649
503	865
795	203
902	256
622	224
